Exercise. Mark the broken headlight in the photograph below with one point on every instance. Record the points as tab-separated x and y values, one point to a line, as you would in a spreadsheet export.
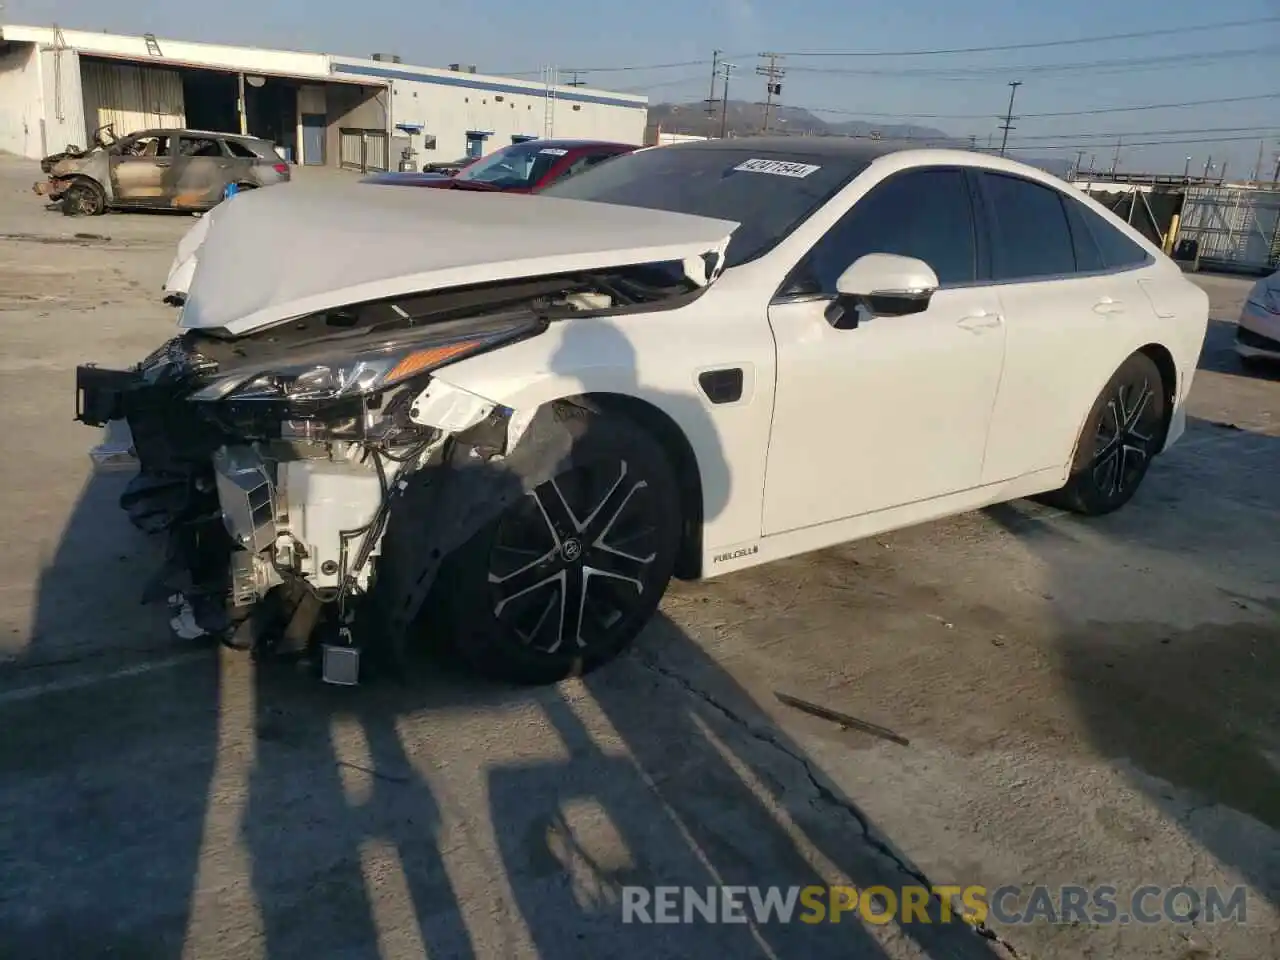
326	379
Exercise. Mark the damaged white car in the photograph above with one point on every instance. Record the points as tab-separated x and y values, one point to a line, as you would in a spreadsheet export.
509	421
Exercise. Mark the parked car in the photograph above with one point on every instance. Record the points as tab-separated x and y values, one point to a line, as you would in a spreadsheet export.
158	169
527	167
1258	330
685	362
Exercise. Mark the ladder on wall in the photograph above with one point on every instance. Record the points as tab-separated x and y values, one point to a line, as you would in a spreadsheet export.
550	77
153	45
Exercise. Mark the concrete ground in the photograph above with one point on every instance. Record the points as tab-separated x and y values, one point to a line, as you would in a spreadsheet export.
1086	703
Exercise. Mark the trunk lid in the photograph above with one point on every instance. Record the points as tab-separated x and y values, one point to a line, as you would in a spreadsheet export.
296	249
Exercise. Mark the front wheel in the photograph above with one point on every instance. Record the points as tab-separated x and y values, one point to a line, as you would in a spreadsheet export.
1124	431
84	199
566	578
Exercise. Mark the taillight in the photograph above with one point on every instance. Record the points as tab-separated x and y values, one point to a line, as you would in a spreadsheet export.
281	168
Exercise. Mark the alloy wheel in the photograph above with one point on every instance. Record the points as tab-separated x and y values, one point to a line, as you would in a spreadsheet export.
571	561
1125	437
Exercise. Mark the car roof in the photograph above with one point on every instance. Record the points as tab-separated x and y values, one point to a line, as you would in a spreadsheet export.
852	148
184	131
575	144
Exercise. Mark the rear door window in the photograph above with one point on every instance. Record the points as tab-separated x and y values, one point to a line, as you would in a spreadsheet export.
1032	239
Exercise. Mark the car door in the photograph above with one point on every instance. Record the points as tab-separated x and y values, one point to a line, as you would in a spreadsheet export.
1068	306
141	168
200	171
896	409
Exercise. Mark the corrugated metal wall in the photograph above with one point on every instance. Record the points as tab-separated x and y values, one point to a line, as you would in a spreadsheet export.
130	97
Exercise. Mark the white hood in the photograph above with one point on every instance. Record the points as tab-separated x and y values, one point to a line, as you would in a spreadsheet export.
184	261
294	249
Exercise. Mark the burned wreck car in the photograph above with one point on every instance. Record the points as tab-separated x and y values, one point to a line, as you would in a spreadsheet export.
158	170
391	416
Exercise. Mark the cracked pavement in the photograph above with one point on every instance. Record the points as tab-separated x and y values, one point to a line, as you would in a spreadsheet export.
1085	702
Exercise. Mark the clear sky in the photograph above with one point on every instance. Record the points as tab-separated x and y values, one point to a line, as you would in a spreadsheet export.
968	90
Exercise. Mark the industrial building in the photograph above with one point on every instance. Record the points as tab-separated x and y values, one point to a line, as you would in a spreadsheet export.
57	86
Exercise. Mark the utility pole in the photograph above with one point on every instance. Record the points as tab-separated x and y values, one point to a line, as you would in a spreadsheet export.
1186	170
1008	116
772	84
711	96
1275	174
1115	161
725	69
1256	176
973	141
1208	165
575	79
1079	161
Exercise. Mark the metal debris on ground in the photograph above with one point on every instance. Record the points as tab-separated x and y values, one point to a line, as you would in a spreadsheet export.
844	720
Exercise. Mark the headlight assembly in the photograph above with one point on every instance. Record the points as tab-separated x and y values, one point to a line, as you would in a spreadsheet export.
346	376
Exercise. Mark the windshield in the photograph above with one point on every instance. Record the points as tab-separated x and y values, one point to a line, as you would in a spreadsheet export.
519	165
769	192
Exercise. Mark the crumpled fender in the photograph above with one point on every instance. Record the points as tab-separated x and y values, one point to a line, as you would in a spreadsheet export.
438	509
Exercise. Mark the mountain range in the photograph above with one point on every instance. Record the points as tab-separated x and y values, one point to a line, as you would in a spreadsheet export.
743	118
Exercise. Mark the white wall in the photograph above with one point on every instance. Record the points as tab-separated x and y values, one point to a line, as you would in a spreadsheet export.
70	128
448	104
21	107
184	51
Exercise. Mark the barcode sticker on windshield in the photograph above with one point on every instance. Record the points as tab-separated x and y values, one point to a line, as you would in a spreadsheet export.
779	168
553	151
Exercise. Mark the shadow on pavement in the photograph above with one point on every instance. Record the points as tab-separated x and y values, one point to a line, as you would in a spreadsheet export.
1192	709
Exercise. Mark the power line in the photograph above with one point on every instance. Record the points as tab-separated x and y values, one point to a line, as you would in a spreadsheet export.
1268	130
1058	113
1182	60
1037	45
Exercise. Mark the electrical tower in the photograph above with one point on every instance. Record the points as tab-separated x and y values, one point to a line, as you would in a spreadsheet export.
773	75
1008	117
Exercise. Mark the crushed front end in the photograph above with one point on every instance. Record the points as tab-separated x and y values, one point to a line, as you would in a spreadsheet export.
269	462
275	462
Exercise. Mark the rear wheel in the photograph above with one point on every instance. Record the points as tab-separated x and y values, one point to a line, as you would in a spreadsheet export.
1124	431
566	578
84	198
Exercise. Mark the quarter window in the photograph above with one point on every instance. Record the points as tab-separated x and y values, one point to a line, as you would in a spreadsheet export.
1032	238
1088	254
926	214
239	150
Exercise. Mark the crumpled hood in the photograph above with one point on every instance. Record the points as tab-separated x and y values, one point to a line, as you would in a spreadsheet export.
295	249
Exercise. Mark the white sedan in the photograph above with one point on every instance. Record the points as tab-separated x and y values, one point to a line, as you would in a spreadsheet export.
509	421
1258	330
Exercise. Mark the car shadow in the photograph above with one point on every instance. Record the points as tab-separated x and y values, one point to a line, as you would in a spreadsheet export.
1186	704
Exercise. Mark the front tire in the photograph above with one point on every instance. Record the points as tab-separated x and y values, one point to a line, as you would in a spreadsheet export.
565	579
84	198
1124	431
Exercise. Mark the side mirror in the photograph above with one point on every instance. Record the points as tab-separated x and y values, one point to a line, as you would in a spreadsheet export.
882	285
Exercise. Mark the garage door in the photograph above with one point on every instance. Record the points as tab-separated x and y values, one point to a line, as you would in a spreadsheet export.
131	98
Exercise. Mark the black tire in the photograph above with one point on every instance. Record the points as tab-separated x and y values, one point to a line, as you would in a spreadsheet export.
507	595
84	198
1124	431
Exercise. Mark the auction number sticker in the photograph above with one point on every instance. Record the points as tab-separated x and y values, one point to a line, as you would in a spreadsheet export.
778	168
553	152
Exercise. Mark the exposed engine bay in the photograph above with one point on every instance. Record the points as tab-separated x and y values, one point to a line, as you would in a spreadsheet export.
278	463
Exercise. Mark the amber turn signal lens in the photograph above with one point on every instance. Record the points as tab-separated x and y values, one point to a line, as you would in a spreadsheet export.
423	360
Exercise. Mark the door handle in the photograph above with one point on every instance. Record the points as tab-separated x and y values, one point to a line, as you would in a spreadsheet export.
163	163
979	321
1107	306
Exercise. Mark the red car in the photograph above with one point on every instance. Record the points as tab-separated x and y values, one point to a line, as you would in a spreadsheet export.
520	168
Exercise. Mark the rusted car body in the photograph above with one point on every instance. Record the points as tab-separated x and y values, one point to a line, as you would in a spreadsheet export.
158	169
